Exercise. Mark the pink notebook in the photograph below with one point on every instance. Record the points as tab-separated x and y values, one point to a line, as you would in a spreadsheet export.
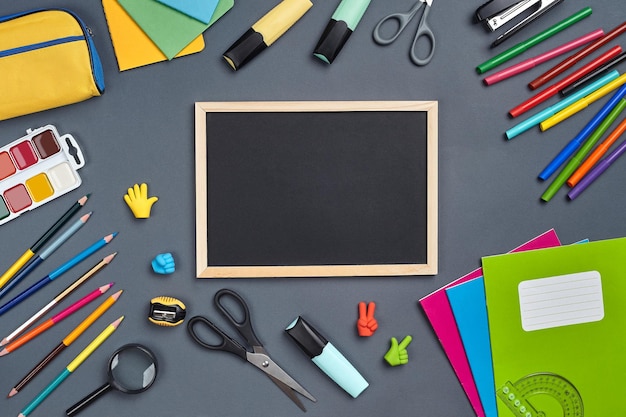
439	313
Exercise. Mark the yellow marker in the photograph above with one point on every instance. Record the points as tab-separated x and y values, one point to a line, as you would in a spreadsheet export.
581	104
266	31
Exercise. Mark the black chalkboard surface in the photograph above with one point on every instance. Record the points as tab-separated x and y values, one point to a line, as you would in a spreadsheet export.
316	189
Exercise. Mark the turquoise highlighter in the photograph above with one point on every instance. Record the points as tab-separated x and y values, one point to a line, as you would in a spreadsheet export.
326	357
342	23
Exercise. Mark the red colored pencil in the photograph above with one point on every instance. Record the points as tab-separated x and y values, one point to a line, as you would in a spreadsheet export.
573	59
555	88
55	319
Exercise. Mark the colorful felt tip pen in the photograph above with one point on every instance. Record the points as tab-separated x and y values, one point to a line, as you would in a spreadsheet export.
266	31
597	153
327	357
584	150
578	140
583	103
540	59
529	43
576	57
553	90
555	108
602	165
342	23
594	75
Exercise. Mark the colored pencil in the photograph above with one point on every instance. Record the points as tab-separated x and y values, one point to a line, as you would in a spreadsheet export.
597	153
541	58
42	240
72	287
71	367
532	41
584	150
57	273
37	260
68	340
57	318
553	90
595	74
575	58
600	168
582	104
580	138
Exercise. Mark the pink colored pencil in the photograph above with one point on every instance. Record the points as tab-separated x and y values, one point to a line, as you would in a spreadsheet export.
539	59
55	319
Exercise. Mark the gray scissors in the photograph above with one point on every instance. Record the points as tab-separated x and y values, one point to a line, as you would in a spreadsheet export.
403	19
258	357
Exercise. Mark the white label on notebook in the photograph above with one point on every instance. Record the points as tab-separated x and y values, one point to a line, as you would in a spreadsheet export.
560	301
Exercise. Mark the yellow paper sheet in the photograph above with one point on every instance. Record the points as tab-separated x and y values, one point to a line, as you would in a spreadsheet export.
133	48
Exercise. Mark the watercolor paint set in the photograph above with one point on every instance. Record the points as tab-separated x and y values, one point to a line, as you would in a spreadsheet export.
37	168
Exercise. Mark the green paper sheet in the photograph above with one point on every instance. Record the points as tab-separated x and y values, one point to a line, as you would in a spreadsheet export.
169	29
588	356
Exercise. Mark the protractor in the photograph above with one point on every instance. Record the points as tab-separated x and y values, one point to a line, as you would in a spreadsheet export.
542	395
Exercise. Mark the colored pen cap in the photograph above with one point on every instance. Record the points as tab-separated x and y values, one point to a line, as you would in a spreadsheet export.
342	23
266	31
332	40
327	357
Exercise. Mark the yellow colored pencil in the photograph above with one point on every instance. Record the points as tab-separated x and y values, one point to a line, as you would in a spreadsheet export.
581	104
68	340
71	367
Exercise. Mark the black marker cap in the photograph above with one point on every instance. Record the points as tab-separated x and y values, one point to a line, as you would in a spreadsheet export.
306	337
332	40
249	45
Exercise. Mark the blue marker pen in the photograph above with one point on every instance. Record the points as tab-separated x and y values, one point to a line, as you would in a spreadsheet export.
555	108
327	357
575	143
342	23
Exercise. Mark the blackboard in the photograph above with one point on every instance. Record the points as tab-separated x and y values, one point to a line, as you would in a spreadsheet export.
302	189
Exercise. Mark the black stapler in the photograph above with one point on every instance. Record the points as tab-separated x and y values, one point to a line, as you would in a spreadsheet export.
496	13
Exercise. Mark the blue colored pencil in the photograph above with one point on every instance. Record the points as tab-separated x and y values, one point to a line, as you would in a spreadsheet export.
56	273
35	262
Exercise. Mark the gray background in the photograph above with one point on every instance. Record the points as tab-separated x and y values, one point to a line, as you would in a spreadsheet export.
141	129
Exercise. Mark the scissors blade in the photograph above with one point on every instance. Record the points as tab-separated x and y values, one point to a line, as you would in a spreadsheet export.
267	365
284	387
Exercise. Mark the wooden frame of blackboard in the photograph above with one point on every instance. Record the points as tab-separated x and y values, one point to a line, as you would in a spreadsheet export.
204	270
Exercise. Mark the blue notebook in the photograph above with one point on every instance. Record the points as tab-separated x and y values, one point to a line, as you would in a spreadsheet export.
201	10
467	301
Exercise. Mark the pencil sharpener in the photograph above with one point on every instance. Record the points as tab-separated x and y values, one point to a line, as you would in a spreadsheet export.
166	311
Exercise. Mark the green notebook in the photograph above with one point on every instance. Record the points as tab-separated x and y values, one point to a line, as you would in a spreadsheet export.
557	319
169	29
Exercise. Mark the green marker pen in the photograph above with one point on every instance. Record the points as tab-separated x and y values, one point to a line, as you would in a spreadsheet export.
342	23
529	43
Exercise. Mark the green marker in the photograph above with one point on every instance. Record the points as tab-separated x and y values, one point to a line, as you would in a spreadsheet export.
580	155
342	23
529	43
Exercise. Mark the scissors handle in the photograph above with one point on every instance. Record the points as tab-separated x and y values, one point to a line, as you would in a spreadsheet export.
403	20
228	344
423	31
244	327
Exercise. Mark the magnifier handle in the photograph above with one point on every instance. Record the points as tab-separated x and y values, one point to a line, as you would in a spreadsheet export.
76	408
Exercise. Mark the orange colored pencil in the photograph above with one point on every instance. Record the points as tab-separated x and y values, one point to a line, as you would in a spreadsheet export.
55	319
69	339
597	154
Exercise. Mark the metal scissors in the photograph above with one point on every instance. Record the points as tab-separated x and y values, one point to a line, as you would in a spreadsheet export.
258	357
403	19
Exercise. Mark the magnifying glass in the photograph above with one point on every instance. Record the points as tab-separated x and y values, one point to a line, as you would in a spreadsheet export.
132	369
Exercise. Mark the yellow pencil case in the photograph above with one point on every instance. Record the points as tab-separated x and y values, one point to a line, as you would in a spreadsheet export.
47	60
